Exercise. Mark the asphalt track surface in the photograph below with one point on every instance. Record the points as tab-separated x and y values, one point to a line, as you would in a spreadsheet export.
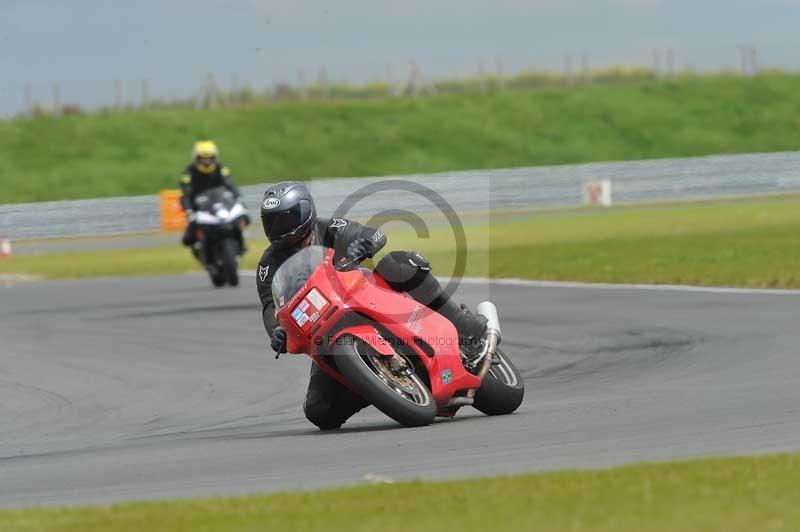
141	388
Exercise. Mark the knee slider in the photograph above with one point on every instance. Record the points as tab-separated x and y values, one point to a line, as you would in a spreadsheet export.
318	412
404	270
419	260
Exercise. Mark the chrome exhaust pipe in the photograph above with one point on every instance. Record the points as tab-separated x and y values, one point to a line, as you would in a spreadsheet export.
489	310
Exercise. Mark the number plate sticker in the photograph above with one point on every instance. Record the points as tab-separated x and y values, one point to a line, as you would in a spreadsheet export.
317	299
309	309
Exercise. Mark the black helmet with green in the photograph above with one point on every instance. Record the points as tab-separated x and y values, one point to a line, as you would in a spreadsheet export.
288	213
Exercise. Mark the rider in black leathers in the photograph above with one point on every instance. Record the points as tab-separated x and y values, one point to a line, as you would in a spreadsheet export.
203	173
290	223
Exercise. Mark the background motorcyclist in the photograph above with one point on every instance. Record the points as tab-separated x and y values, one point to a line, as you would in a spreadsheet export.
203	173
290	222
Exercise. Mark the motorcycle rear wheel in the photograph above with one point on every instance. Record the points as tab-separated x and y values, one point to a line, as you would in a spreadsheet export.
502	390
406	399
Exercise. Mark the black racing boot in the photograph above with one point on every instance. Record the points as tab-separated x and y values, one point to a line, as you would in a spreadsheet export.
470	326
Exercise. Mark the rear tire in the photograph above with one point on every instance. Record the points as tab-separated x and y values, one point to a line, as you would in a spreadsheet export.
230	266
354	358
217	280
502	390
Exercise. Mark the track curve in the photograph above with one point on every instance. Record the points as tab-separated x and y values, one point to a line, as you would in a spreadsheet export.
139	388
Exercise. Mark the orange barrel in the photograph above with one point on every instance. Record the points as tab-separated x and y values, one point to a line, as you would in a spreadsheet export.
172	218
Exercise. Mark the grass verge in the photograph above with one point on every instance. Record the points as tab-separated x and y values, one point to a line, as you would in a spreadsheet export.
731	494
140	152
752	243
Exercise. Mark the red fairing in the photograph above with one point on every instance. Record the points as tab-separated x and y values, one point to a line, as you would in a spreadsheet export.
369	334
329	295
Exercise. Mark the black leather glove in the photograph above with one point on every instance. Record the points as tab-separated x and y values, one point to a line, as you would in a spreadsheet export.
360	249
278	342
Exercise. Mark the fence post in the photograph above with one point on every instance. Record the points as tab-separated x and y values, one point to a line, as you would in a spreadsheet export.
586	69
212	91
117	94
28	99
498	67
753	60
57	108
301	83
412	86
671	63
145	92
390	86
323	82
568	69
236	94
657	63
744	57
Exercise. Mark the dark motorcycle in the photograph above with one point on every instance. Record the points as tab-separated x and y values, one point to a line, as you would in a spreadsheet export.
220	220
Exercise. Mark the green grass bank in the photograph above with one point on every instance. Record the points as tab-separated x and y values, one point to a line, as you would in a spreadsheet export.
140	152
730	494
748	243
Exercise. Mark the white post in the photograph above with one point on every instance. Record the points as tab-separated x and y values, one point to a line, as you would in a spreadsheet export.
301	83
481	74
212	91
568	69
671	63
657	63
501	80
323	82
598	193
744	57
57	109
28	99
145	92
235	96
414	78
586	68
605	196
5	247
753	60
117	94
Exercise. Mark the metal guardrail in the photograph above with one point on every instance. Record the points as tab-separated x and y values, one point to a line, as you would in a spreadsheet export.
545	186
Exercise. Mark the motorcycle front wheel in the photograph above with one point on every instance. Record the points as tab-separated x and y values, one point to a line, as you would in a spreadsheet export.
403	397
230	266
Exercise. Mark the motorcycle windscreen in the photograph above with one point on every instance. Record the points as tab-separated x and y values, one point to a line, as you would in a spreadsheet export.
294	272
214	198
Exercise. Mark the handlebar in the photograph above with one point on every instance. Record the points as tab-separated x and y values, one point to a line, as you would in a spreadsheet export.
350	264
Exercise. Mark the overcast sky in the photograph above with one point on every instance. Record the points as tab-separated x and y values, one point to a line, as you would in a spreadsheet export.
85	44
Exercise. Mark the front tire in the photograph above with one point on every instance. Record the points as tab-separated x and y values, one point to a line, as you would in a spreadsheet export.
217	280
230	266
502	390
406	399
208	258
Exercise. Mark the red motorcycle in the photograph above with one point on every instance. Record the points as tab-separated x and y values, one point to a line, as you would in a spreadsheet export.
398	354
